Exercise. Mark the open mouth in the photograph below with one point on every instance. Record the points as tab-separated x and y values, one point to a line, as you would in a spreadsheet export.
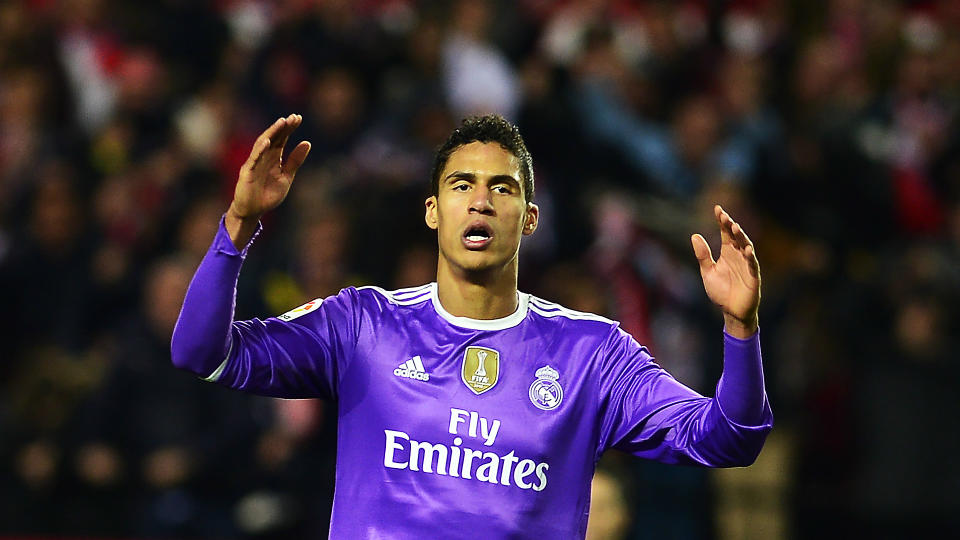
477	236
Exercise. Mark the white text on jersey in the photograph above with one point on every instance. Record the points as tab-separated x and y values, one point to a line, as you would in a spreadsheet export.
412	369
402	452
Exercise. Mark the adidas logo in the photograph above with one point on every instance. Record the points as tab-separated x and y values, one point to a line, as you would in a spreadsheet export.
412	369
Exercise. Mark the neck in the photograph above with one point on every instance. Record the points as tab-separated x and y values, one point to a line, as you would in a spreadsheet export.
491	294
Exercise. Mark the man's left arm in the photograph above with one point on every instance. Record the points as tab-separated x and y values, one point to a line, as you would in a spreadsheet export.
650	414
646	412
732	282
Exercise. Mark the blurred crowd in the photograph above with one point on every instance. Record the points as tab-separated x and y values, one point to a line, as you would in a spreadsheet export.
829	129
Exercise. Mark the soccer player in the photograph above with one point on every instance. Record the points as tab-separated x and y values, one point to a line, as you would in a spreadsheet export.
468	409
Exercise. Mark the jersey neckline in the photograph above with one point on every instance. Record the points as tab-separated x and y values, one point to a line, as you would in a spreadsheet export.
523	300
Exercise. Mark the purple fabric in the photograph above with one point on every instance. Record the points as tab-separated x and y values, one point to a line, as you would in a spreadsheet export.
201	337
421	453
741	389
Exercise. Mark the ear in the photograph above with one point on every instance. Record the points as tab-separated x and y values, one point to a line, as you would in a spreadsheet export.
532	219
431	212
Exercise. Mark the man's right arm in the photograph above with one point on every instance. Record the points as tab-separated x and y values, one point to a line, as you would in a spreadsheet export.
202	337
240	229
299	354
264	179
204	333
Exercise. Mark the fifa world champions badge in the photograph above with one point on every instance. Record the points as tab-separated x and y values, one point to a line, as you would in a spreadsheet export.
545	392
480	369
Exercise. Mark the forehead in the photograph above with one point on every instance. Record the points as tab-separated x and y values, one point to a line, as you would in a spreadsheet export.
482	159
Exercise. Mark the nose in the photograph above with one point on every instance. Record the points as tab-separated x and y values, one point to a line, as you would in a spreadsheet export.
480	202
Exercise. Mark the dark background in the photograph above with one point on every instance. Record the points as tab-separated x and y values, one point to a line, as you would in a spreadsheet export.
828	129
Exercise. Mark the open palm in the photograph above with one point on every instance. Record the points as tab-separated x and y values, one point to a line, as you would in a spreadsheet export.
733	280
265	178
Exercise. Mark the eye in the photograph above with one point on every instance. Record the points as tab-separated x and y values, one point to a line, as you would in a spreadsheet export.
504	190
462	186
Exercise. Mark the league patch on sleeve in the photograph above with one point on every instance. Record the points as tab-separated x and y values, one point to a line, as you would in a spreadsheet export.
302	310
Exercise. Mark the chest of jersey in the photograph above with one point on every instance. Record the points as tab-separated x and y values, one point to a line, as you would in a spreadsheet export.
502	407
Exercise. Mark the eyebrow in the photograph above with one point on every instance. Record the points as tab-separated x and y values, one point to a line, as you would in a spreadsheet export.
496	179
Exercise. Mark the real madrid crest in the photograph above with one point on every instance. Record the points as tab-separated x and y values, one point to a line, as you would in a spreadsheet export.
481	369
545	392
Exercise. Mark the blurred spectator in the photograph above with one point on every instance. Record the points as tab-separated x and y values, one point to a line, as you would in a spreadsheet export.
678	160
157	444
50	291
477	76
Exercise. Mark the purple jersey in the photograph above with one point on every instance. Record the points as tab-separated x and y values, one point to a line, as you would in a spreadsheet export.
461	428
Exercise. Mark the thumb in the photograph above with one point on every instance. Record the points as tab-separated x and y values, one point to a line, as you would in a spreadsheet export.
296	158
701	249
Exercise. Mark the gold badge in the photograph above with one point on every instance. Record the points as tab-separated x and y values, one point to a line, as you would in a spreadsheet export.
481	369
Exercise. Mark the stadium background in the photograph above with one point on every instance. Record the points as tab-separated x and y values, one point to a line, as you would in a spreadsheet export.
828	128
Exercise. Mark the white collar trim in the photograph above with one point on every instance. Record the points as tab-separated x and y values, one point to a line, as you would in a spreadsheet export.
523	299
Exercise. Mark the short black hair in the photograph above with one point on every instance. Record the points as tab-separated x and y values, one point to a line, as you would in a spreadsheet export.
486	128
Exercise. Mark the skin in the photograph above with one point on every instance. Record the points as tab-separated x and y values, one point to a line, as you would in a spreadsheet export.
264	179
732	281
481	183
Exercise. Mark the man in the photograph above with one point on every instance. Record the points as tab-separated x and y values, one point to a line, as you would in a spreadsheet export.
468	409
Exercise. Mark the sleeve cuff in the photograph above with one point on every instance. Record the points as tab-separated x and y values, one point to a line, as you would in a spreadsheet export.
741	385
223	244
727	338
215	376
741	352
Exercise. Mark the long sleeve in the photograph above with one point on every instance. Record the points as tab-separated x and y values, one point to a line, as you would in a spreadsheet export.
298	354
648	413
741	390
202	337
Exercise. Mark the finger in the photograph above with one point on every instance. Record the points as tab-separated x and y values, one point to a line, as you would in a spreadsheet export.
291	123
731	231
701	249
263	142
259	147
725	222
740	236
273	131
750	254
296	158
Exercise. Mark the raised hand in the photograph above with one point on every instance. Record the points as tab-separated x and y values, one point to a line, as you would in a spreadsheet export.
733	280
265	178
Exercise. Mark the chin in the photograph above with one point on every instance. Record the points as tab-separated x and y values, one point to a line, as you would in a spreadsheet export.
477	262
478	267
483	262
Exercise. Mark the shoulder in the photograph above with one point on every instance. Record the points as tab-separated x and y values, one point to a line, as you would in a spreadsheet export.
376	297
583	329
354	304
545	308
359	299
553	313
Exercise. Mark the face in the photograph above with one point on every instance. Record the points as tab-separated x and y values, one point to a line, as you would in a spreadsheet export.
480	212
